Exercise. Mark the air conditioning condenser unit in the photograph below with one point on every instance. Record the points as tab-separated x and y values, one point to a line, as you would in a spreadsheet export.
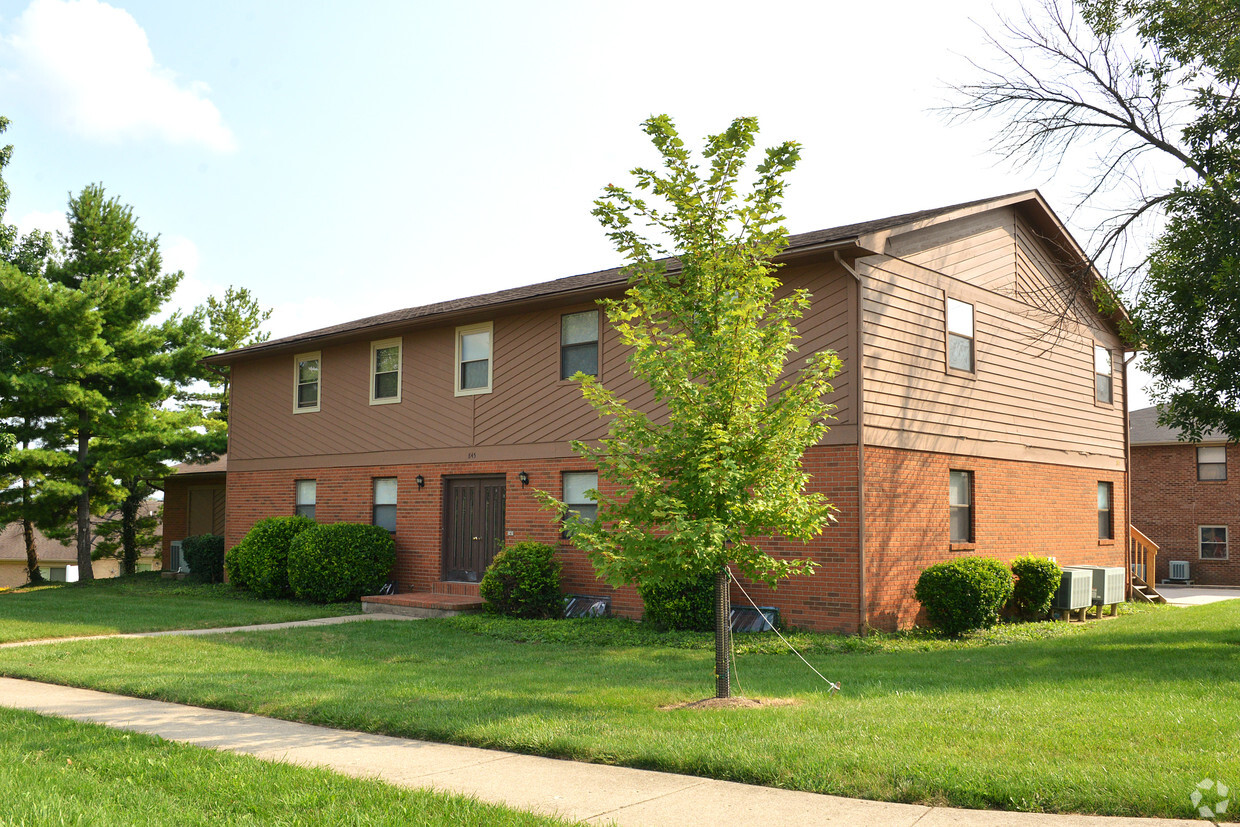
1178	569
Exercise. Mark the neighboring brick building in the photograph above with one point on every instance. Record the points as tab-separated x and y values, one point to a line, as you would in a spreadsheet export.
1186	498
193	504
973	418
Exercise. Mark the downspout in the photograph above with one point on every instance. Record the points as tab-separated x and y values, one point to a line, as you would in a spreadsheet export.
1128	485
863	606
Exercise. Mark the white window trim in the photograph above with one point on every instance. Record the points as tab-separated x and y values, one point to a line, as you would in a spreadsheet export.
1226	544
1094	369
489	327
947	334
397	343
598	344
303	357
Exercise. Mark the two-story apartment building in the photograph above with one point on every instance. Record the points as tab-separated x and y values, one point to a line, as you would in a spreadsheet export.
977	413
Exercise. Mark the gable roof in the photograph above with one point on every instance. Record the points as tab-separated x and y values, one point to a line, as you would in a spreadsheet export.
1143	429
854	236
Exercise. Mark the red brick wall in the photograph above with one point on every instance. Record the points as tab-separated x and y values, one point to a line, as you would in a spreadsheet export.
1019	508
1169	503
828	600
176	517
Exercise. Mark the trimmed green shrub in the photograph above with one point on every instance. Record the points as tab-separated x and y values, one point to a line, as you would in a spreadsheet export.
688	605
964	594
235	566
341	561
263	563
523	581
1037	580
205	555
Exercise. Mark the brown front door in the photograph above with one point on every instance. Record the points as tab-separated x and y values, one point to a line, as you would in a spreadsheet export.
473	526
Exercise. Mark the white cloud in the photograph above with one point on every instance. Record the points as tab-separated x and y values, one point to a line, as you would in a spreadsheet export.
92	65
179	253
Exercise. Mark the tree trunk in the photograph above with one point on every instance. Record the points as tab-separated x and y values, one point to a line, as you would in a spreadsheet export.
33	575
129	532
85	571
723	634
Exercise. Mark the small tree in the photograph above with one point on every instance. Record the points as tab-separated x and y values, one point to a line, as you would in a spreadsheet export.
690	488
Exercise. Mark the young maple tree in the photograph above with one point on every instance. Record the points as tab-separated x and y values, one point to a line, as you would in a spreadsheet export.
718	464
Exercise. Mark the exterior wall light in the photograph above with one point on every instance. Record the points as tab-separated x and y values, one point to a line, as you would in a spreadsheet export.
524	477
420	480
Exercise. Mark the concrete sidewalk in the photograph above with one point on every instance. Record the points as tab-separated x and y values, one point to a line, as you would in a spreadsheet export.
220	630
589	792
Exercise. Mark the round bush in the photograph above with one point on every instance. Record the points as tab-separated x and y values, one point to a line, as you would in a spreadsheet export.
1037	580
235	566
342	561
965	594
263	564
687	605
204	554
523	581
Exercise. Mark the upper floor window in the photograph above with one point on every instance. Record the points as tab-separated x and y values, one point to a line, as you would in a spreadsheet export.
1102	375
1212	463
1106	510
385	503
385	371
306	379
579	343
960	499
473	359
960	335
307	490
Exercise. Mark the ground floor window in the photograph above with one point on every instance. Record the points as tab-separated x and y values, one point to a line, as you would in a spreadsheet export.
385	503
307	493
960	498
576	484
1212	542
1106	526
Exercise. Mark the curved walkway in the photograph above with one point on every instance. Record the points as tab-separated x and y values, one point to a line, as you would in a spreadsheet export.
594	793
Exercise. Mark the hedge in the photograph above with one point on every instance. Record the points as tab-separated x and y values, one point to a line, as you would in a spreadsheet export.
204	554
687	605
964	594
341	561
260	560
523	581
1037	580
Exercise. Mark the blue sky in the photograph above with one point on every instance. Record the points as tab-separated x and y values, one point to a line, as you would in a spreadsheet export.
346	159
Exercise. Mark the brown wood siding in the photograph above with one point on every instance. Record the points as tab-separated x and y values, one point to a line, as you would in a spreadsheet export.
1032	396
529	405
979	249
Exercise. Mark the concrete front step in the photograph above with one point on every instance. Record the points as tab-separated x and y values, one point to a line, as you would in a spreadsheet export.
422	604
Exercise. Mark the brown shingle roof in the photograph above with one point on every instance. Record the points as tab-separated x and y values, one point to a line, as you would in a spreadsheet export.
13	543
597	282
219	465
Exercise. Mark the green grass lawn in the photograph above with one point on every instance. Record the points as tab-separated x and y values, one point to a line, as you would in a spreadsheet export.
142	603
1119	717
54	771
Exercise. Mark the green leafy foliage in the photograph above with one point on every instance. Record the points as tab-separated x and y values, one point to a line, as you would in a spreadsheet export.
261	558
523	581
687	605
712	341
1037	580
341	561
205	555
965	594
